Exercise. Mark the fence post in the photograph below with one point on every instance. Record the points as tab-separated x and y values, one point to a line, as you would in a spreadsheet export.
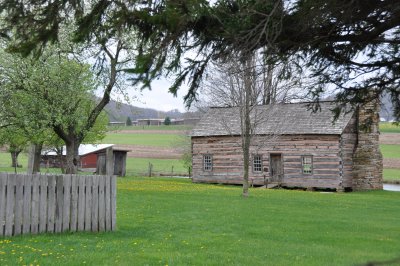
150	169
3	185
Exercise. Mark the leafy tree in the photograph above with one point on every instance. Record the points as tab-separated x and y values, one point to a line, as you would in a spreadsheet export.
50	93
167	121
128	121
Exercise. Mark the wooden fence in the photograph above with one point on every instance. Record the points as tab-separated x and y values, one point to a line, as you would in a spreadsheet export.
31	204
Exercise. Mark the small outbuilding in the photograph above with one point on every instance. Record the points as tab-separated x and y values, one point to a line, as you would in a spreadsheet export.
118	165
92	158
292	147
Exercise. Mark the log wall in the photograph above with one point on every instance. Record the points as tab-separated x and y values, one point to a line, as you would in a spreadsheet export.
228	162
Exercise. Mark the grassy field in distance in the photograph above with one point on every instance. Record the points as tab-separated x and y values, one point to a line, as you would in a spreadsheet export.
390	174
388	127
162	127
140	166
5	162
155	140
390	150
164	221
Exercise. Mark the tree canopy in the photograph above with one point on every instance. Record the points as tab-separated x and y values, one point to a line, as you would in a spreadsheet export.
351	46
49	96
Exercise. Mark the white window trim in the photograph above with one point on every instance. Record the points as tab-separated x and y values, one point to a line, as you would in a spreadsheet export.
302	164
204	162
261	163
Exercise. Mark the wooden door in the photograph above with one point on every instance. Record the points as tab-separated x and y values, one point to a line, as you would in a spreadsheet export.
276	172
119	163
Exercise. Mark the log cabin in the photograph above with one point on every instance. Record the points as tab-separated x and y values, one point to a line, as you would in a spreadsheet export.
291	146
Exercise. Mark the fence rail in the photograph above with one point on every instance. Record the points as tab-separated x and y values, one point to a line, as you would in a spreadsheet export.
31	204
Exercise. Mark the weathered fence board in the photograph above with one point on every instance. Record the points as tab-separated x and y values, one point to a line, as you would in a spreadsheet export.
3	184
10	205
108	204
43	205
102	211
47	203
95	205
88	200
59	203
19	201
74	203
113	203
51	206
27	205
66	203
35	204
81	207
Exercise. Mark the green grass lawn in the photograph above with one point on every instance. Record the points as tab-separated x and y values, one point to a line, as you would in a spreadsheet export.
390	150
174	222
5	162
387	127
155	140
134	166
140	166
391	174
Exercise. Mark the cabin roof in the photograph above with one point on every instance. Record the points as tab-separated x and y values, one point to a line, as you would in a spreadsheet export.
277	119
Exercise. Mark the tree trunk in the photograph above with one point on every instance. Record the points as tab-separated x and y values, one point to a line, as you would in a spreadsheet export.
246	174
14	157
72	158
246	127
59	152
246	151
35	158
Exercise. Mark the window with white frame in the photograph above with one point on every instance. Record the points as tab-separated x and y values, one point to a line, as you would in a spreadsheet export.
207	162
307	164
257	163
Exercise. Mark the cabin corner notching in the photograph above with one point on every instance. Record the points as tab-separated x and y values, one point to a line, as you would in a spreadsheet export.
292	147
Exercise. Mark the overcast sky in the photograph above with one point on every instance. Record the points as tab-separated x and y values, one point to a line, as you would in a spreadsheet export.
158	98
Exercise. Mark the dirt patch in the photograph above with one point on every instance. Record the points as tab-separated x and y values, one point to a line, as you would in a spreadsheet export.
391	162
389	138
138	151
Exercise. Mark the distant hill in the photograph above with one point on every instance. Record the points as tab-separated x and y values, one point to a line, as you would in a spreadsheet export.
118	112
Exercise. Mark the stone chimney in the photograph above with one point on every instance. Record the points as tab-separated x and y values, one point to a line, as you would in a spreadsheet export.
367	158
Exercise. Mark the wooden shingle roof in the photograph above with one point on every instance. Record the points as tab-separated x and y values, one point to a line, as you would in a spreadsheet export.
280	119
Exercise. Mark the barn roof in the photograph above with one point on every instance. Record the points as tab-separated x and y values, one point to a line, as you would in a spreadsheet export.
281	119
83	149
